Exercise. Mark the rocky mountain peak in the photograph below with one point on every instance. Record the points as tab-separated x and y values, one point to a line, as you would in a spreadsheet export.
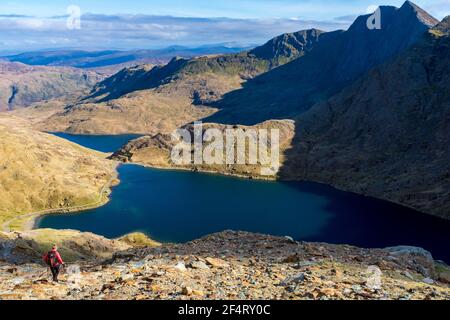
422	15
393	18
338	59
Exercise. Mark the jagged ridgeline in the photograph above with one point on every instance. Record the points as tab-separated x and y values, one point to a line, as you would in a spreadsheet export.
278	80
363	110
392	145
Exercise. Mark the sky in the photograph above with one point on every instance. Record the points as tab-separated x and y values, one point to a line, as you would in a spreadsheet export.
131	24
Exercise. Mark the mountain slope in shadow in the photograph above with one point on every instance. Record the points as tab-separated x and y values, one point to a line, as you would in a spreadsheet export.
388	134
337	60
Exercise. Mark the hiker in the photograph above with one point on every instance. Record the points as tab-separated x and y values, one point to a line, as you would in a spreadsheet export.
54	261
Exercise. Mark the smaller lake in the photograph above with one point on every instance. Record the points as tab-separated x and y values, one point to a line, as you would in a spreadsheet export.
178	206
103	143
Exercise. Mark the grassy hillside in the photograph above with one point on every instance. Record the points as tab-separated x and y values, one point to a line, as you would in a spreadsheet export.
39	171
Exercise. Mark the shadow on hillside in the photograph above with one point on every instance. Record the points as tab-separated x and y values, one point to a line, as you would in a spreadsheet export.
129	80
255	103
359	220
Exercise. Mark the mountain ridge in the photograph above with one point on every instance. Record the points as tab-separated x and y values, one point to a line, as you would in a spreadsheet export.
338	59
275	52
185	86
380	135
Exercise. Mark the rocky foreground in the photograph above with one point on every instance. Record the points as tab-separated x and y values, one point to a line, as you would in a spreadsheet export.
239	265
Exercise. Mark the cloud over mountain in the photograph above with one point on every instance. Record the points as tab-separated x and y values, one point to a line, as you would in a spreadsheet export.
144	31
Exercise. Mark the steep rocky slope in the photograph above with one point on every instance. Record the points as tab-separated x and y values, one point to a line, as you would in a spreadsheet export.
387	135
239	265
139	99
278	80
338	59
287	47
39	171
22	85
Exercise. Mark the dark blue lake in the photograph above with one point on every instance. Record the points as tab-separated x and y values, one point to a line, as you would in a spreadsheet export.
177	206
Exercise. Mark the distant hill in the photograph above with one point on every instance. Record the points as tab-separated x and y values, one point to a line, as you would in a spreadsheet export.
388	134
22	85
104	58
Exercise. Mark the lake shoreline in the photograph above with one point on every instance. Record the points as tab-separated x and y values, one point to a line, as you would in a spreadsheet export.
31	220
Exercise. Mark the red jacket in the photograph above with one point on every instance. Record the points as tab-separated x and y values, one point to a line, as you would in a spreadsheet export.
58	261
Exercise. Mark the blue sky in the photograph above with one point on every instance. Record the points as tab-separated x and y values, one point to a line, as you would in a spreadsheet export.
31	24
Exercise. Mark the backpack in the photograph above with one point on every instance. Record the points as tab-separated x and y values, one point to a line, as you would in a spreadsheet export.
52	261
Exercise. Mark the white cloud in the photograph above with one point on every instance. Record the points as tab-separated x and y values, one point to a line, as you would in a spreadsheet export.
146	31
